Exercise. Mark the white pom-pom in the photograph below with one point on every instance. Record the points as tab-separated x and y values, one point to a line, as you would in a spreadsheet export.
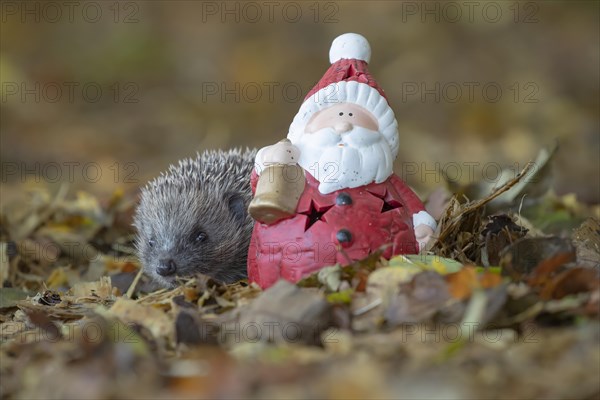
351	46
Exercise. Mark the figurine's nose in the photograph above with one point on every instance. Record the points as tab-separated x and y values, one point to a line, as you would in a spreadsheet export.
342	126
166	267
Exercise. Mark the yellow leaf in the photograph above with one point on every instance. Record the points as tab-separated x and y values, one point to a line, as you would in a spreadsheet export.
57	278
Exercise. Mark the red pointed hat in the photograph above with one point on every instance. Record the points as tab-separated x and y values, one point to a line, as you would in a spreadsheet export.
348	81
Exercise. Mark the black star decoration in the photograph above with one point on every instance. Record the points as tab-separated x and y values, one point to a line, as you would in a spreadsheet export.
314	215
387	206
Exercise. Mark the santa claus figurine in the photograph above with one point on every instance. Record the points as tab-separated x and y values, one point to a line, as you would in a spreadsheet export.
336	171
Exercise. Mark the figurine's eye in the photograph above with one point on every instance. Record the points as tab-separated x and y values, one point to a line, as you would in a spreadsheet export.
341	114
201	237
151	242
350	114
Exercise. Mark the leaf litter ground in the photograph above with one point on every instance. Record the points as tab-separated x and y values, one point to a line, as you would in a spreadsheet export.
505	304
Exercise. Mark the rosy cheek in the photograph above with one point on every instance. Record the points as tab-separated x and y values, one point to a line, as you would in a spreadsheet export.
312	127
324	121
366	122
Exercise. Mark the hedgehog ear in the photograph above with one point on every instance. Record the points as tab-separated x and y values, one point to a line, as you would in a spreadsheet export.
236	205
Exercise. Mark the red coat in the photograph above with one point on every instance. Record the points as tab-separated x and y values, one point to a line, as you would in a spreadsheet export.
339	227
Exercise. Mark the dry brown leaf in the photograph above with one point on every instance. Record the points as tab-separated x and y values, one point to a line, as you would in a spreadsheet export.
462	283
525	255
489	280
546	268
586	239
287	313
570	281
155	320
418	300
499	232
101	290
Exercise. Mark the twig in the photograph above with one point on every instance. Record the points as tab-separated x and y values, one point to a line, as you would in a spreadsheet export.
479	203
367	307
497	192
134	283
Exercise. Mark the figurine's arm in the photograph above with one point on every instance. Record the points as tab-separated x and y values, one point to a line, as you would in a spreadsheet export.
413	203
423	223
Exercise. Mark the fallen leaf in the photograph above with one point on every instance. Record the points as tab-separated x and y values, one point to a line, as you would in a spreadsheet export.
42	321
547	268
519	259
421	262
388	279
330	277
285	313
462	283
101	289
571	281
418	300
156	321
586	239
489	279
343	297
58	278
499	232
9	297
191	330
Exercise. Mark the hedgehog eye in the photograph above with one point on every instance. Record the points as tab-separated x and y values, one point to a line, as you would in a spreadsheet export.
201	237
151	242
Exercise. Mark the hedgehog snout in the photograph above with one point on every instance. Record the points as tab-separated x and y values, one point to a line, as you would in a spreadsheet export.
166	267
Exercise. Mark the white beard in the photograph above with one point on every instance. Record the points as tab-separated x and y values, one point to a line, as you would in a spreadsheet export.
349	160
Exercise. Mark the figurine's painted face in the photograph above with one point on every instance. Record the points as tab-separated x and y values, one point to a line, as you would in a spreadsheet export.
342	117
342	147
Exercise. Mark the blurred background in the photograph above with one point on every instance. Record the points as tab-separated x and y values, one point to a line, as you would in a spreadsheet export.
108	94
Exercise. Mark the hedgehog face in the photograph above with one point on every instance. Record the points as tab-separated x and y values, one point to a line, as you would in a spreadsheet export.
193	220
208	237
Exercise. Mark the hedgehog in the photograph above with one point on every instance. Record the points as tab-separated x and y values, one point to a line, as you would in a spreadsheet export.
193	218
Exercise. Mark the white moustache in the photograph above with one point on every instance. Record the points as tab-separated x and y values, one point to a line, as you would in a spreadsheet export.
360	137
357	137
350	159
323	137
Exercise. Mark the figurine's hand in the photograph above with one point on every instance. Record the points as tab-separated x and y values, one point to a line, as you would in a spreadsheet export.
283	152
423	235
